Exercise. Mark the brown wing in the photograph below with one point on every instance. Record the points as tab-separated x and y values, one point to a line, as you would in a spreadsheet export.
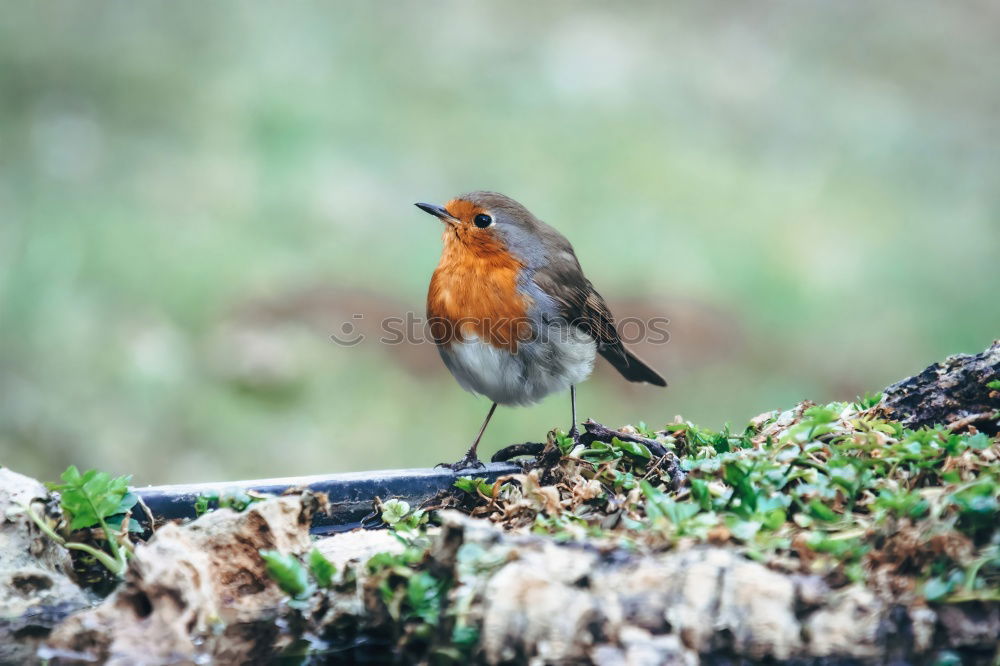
580	304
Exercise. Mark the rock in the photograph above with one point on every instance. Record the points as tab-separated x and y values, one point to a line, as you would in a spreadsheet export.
357	546
847	625
195	592
970	624
37	589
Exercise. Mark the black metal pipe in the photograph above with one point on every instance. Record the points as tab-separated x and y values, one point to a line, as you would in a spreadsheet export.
351	494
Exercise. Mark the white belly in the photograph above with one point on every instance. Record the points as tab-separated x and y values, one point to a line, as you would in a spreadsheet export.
537	369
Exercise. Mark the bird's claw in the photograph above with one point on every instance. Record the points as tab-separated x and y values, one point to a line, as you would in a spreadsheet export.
470	461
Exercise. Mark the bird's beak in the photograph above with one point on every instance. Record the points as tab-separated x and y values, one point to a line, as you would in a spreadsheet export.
438	212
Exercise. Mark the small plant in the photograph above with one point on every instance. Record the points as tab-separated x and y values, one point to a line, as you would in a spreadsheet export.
236	499
94	499
564	442
320	568
599	452
481	488
289	573
398	516
412	595
297	579
645	430
867	401
474	486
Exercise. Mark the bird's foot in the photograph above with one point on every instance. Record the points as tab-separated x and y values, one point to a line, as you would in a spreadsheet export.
470	461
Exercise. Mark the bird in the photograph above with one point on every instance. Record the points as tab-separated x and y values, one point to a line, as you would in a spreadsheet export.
511	312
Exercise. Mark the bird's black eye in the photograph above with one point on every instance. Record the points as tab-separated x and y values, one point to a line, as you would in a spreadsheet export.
483	220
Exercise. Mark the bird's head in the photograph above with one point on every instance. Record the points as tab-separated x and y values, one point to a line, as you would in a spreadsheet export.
489	222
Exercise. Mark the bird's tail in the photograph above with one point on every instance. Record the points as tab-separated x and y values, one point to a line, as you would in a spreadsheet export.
631	366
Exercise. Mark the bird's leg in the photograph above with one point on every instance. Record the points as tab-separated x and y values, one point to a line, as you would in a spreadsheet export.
471	460
573	432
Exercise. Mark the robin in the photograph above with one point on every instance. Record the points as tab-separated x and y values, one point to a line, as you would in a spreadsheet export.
512	314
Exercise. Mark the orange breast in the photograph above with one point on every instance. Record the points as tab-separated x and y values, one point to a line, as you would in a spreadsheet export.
474	292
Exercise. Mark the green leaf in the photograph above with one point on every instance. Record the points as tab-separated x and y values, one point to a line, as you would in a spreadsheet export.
938	588
844	476
767	504
565	443
821	511
720	442
952	476
956	445
236	499
474	486
678	512
659	505
819	414
868	400
423	596
645	430
601	452
394	510
995	385
775	519
701	493
635	449
322	569
384	560
115	523
465	636
128	501
623	480
72	476
817	420
745	530
91	497
979	441
655	500
743	488
205	501
287	572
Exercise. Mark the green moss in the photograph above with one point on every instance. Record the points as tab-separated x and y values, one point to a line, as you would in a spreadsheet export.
835	489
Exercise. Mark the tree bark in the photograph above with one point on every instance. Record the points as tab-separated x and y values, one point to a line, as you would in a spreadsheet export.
953	392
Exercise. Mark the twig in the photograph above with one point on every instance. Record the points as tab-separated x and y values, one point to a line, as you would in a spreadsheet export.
548	454
515	450
595	432
965	422
149	514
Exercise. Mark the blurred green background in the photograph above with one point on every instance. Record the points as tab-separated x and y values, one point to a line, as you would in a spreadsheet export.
195	196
